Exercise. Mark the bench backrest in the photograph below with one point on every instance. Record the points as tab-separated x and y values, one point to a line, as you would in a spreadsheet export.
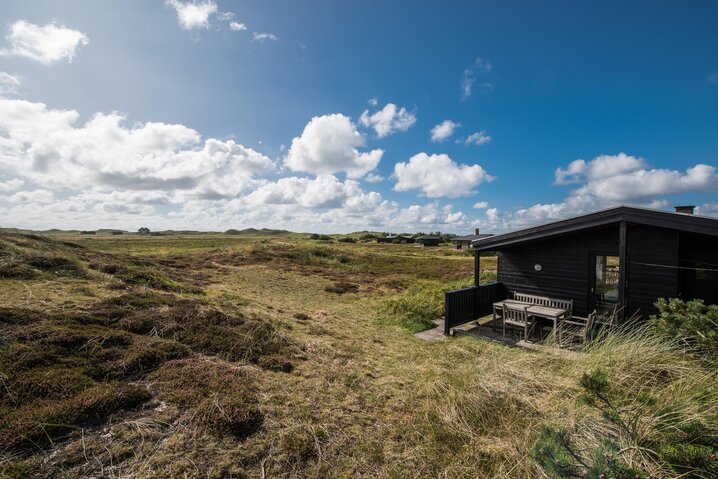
566	304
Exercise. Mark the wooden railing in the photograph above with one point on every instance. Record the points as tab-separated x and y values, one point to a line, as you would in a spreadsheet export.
464	305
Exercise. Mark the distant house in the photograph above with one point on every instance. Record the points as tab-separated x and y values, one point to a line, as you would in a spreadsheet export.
117	232
429	240
464	242
404	239
144	231
87	232
396	239
620	259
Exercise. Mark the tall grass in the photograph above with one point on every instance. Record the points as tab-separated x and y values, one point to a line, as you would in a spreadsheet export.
415	308
484	419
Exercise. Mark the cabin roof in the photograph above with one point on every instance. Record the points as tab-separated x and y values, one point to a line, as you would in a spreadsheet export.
471	237
677	221
429	237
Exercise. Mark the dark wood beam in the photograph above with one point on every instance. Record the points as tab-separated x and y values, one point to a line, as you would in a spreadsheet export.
477	267
623	265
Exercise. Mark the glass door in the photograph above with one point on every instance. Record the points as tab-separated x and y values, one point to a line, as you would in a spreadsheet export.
605	270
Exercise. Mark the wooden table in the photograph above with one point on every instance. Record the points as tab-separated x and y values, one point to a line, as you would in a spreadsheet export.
553	314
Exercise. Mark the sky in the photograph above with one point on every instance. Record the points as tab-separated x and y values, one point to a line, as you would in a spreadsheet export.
333	117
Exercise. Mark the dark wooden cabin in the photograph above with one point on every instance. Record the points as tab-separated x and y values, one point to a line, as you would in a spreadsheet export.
395	239
623	257
465	242
429	240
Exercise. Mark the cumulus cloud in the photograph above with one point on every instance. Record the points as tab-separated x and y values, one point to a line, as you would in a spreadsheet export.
474	77
237	26
478	138
329	145
481	205
108	173
11	185
388	120
611	180
707	209
48	147
600	167
262	37
193	15
626	178
325	191
443	130
9	84
438	175
32	196
44	44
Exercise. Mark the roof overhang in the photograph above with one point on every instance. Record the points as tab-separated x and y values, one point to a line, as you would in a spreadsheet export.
662	219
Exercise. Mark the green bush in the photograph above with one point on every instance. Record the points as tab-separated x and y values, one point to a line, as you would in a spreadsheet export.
347	239
639	436
416	307
692	323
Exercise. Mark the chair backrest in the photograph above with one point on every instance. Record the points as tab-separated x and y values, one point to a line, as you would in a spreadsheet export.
515	313
589	323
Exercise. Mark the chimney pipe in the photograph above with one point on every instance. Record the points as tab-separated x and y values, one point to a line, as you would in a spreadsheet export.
476	231
685	210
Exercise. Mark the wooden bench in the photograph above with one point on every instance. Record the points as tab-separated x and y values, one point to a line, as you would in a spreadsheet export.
566	304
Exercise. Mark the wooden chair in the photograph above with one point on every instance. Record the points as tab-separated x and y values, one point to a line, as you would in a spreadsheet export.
515	315
577	327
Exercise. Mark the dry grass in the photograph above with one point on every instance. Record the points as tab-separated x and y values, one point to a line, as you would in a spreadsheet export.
270	373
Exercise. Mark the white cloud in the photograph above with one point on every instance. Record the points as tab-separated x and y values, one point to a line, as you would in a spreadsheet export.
443	130
473	78
237	26
373	178
625	178
388	120
602	166
46	146
33	196
645	184
261	37
478	138
329	145
47	44
373	102
109	173
493	215
9	84
481	205
611	180
225	16
325	191
438	175
11	185
193	15
707	209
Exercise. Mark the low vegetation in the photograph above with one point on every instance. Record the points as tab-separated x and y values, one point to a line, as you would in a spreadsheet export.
265	354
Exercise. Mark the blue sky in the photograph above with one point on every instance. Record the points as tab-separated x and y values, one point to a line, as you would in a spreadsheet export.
182	117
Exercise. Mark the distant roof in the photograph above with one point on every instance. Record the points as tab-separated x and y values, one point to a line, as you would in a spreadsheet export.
683	222
427	237
471	237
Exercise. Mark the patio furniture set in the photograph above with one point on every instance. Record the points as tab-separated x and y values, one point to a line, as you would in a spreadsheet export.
526	311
